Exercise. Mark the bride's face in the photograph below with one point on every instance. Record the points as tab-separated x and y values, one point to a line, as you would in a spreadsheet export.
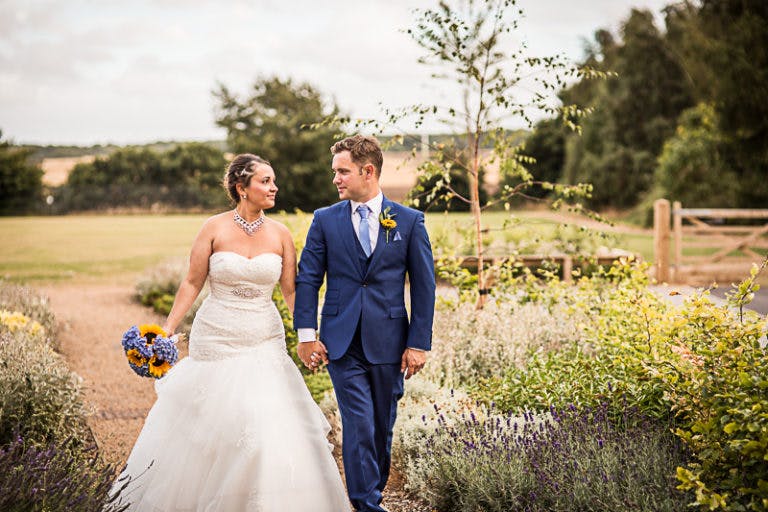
262	189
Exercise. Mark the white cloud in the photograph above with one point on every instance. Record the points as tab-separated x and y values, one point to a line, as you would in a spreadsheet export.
83	71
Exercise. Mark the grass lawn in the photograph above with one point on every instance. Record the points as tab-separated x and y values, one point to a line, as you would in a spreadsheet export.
87	246
99	247
117	247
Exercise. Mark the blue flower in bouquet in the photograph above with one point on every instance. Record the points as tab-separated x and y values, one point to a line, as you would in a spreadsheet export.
149	352
164	358
130	338
141	371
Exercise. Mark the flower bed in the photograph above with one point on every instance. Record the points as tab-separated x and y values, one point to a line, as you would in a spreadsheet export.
693	377
46	457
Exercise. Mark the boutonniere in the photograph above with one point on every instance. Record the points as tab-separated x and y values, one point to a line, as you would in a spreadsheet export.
387	221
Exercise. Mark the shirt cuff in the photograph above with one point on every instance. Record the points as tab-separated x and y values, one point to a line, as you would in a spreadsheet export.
306	334
416	349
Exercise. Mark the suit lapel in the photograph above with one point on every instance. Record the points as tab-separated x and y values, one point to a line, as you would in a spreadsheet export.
381	240
347	234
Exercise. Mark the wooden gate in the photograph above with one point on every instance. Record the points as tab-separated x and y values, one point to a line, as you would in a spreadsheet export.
709	244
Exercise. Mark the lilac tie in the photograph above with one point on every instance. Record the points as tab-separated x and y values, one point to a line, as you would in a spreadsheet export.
363	232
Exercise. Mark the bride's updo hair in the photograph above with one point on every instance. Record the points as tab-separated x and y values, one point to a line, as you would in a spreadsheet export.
240	170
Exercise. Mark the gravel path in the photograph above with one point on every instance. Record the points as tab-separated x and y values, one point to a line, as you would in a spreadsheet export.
91	319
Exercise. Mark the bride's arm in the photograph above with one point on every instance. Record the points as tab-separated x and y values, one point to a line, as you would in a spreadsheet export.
288	277
193	282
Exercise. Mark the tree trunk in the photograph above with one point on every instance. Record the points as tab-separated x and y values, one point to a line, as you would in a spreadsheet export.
474	197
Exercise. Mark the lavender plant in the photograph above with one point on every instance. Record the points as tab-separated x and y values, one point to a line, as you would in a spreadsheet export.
558	461
52	478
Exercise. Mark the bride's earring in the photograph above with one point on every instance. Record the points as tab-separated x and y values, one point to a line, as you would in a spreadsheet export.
245	196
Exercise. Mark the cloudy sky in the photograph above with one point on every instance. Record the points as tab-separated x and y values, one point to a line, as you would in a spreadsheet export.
108	71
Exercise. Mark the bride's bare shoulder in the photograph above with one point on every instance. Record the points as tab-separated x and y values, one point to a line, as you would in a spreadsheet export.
281	228
218	218
214	222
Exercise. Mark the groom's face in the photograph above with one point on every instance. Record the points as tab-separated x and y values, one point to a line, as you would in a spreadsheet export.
353	181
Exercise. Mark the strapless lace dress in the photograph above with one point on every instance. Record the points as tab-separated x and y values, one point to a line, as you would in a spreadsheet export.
234	427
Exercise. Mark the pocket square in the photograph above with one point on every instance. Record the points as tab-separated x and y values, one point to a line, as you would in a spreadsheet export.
397	237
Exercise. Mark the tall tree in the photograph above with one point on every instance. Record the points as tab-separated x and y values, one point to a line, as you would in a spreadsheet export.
467	41
635	112
20	182
272	122
737	57
546	147
691	167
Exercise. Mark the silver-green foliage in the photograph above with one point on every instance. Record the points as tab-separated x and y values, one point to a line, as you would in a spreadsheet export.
40	398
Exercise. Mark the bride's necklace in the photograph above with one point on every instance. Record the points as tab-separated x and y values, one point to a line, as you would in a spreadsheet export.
249	227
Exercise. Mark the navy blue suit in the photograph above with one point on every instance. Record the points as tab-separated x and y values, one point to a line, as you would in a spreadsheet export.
365	328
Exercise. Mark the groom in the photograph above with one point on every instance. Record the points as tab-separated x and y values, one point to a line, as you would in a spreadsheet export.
365	245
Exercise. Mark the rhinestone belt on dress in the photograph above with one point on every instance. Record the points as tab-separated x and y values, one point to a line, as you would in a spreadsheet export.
247	293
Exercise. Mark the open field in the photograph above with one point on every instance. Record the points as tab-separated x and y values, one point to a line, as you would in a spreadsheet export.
57	169
114	248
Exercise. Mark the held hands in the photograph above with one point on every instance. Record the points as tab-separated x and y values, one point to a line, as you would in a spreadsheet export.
312	354
413	361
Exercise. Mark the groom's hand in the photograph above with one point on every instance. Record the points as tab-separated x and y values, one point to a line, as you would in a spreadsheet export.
413	361
312	354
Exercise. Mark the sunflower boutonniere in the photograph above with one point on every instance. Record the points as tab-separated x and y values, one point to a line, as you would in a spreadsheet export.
387	221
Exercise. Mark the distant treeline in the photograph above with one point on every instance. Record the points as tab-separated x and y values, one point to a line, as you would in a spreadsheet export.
38	153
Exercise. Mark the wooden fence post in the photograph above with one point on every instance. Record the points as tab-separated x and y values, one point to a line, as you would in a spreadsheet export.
677	228
661	239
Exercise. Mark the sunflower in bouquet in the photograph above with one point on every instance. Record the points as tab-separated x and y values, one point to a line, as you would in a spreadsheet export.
149	351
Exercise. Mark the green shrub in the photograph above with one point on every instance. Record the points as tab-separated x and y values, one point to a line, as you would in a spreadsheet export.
718	388
613	374
606	356
319	384
702	363
40	399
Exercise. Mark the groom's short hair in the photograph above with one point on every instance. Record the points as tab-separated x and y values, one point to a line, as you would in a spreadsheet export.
363	149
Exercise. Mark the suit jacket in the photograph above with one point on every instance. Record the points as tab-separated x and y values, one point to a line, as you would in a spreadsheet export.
374	296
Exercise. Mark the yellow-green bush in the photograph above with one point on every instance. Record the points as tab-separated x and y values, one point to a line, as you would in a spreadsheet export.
701	365
718	389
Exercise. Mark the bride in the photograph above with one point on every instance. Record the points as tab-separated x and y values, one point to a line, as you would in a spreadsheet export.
234	427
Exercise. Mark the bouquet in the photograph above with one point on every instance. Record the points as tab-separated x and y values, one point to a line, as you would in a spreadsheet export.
150	353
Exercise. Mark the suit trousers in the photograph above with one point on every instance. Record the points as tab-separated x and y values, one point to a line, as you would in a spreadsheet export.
367	395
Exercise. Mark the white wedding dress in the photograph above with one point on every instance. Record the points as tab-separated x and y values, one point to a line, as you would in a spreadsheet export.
234	427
